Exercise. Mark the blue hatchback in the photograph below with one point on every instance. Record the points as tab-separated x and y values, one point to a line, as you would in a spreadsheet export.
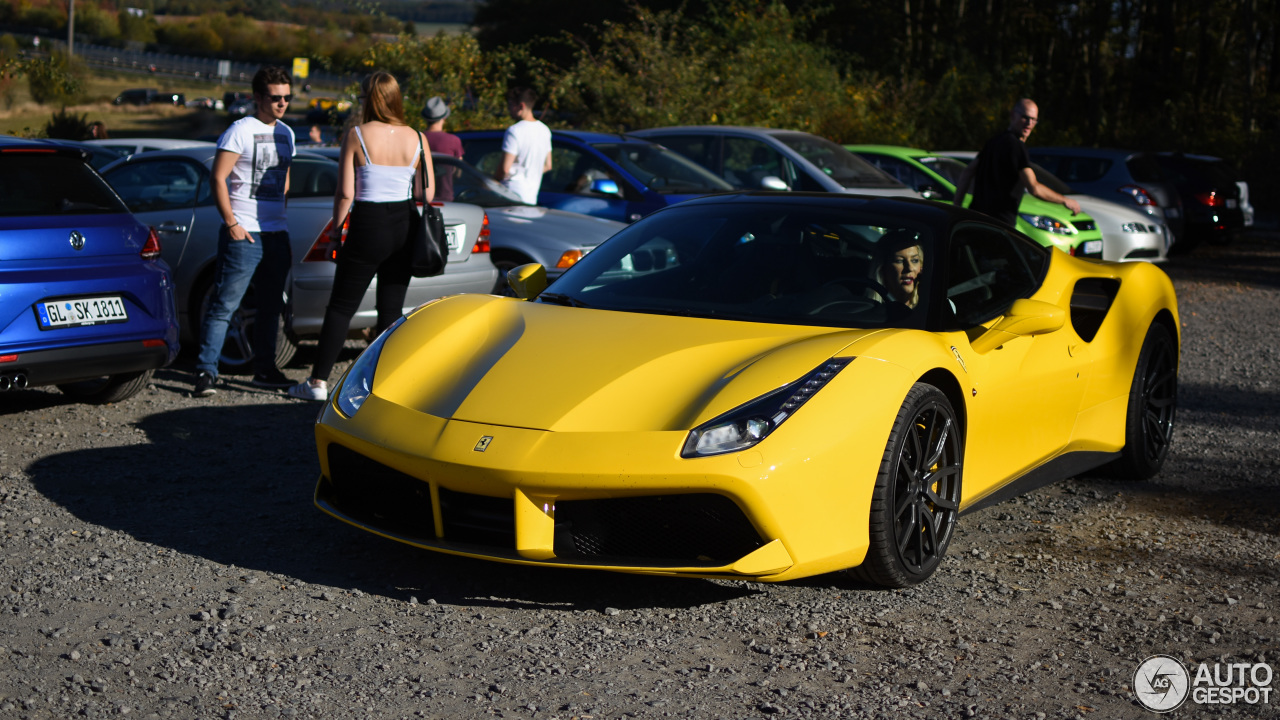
86	303
618	177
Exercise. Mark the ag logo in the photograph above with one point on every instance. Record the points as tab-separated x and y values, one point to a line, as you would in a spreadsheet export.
1161	683
484	443
77	240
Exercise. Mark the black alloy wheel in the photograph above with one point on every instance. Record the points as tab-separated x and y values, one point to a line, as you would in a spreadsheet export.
1153	404
917	495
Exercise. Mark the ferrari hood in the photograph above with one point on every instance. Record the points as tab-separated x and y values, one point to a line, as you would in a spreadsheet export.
500	361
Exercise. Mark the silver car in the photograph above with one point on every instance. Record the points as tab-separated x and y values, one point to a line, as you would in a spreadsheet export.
170	191
752	158
521	233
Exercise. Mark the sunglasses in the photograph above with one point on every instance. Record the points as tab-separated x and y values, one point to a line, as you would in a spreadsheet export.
280	98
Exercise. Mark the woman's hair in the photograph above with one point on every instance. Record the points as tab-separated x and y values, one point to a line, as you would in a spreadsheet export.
888	281
381	99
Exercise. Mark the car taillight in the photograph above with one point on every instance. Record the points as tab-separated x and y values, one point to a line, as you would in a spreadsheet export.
482	242
1211	198
319	251
1139	195
151	248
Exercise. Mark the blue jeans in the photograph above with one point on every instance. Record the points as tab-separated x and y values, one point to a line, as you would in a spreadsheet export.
263	263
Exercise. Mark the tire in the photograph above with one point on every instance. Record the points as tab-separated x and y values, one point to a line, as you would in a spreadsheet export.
505	263
1153	405
917	495
236	357
110	389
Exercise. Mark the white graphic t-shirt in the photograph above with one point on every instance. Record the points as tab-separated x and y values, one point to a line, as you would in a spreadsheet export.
257	180
530	142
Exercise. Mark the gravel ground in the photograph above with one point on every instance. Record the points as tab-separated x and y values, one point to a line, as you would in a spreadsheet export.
162	559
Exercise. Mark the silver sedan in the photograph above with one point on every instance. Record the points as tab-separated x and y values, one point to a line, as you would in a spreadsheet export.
170	191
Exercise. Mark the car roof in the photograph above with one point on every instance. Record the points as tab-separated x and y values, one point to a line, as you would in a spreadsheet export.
165	143
584	136
894	150
1084	151
891	205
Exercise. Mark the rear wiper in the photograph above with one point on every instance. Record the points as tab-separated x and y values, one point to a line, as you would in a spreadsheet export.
65	205
562	299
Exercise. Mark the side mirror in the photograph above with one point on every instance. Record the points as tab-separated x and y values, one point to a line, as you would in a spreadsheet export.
527	281
772	182
1024	318
933	192
605	186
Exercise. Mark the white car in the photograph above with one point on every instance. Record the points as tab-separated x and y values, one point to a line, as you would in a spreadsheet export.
1127	234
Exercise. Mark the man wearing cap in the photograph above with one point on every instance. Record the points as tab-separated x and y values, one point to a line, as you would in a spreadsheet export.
435	112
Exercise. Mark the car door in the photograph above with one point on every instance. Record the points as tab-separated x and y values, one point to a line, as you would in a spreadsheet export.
163	193
572	184
1026	393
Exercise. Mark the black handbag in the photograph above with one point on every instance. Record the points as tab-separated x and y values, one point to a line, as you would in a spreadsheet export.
428	245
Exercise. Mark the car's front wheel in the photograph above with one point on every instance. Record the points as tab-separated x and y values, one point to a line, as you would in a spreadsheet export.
917	493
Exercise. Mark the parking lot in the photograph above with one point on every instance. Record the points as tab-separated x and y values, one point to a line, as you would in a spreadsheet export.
163	559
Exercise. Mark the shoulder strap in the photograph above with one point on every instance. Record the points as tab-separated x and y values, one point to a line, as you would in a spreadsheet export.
360	137
422	164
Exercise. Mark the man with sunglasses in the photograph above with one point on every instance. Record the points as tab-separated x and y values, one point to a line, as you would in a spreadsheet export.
250	180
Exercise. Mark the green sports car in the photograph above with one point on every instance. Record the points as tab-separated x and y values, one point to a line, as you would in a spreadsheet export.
935	176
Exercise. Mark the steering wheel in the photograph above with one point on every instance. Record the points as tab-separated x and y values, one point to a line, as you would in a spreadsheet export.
855	285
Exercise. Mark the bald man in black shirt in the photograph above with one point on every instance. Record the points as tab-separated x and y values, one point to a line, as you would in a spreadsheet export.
1003	170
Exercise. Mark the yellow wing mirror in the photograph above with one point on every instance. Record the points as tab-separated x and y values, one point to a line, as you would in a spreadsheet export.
1024	318
527	281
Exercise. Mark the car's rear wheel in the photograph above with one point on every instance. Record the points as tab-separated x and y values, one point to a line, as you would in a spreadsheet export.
917	494
236	357
110	389
1153	404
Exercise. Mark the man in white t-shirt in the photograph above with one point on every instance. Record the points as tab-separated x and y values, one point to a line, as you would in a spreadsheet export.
526	148
250	181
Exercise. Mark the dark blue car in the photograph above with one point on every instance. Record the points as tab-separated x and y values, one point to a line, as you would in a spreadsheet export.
86	303
618	177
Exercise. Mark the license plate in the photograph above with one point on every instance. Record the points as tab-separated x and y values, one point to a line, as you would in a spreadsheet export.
1093	247
81	311
454	235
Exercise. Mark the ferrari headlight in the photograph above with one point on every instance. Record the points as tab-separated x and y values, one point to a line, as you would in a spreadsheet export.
748	424
358	382
1048	224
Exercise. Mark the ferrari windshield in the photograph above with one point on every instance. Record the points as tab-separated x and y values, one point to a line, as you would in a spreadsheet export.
839	164
761	262
661	170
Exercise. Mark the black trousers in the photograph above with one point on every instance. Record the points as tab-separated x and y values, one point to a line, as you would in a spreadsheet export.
376	245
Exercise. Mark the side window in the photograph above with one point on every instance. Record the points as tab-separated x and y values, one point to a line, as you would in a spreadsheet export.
310	178
164	184
910	176
485	154
573	171
987	271
747	162
698	148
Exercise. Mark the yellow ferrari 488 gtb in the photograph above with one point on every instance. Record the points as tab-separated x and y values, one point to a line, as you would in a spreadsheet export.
755	386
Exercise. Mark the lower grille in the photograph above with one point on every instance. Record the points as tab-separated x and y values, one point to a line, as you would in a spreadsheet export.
478	519
378	496
696	529
1143	253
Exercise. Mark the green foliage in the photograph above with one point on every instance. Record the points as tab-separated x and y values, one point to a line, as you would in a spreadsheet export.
66	125
52	79
452	67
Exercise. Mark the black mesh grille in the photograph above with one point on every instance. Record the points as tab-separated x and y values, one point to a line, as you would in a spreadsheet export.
699	529
376	495
478	519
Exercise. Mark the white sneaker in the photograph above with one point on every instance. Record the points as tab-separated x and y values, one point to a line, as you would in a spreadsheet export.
306	391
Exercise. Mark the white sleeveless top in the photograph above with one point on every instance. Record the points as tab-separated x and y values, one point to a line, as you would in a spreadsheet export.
383	183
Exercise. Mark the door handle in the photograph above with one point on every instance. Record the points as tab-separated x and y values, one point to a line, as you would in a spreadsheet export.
170	226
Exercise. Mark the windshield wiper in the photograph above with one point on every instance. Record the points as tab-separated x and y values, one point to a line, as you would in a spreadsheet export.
562	299
66	205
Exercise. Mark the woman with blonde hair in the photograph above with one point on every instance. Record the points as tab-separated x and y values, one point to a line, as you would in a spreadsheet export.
902	266
378	179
